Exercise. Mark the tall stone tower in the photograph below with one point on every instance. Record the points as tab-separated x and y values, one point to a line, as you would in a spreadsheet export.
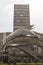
21	16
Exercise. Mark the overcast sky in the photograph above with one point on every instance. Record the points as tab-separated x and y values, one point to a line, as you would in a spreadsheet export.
7	10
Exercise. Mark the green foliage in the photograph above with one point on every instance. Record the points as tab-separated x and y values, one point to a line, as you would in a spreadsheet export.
23	64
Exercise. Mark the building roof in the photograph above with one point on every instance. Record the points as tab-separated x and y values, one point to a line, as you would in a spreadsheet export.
24	32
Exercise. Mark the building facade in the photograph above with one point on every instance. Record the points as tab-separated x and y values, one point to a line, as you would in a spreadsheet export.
31	48
21	16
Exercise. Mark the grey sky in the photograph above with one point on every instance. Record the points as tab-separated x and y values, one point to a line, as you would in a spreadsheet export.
7	10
